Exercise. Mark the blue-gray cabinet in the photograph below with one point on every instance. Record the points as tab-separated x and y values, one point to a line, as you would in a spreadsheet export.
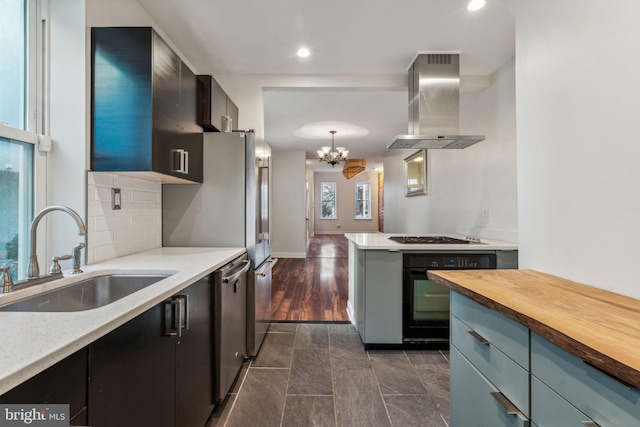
489	367
581	392
143	107
494	358
377	295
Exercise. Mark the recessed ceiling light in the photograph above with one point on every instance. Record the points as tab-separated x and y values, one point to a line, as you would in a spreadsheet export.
476	4
320	130
303	52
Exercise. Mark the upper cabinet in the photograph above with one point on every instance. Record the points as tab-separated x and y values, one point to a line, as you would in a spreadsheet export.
143	107
216	111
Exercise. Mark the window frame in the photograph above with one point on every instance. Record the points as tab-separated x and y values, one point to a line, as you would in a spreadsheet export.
36	105
368	201
335	201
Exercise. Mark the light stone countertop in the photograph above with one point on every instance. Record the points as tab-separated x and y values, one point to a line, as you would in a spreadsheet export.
31	342
381	241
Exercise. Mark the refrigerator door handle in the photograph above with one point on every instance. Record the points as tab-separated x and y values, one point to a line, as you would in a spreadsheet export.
263	211
271	262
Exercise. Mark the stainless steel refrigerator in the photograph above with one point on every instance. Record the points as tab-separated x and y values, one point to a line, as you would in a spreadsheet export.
230	208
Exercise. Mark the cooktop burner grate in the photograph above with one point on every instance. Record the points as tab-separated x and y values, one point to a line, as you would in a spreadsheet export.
429	240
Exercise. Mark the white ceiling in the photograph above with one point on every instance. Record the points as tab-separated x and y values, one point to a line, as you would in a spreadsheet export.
346	38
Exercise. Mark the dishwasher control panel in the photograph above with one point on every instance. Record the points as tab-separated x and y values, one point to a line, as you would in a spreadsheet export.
450	261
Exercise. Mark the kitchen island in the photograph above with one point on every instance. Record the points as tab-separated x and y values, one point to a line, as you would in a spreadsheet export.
375	302
34	341
569	351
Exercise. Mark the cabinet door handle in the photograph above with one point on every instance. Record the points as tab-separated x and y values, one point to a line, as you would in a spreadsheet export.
479	338
180	161
179	304
590	424
174	319
185	311
506	404
185	163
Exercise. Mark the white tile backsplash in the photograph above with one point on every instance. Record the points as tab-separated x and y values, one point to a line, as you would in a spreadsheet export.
136	227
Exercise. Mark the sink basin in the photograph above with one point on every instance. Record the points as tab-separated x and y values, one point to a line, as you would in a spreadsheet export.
85	295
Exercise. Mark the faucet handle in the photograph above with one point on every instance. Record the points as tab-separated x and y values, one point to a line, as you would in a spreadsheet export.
7	281
55	266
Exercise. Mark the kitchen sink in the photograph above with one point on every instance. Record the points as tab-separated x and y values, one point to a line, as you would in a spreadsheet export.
87	294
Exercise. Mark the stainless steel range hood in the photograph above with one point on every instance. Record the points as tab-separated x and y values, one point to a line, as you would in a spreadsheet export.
434	98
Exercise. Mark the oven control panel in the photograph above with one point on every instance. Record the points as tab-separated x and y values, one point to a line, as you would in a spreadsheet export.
450	261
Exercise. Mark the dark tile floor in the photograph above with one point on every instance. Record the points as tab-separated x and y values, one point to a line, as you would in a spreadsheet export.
319	375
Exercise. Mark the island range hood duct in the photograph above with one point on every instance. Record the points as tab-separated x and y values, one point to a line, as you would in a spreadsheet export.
434	98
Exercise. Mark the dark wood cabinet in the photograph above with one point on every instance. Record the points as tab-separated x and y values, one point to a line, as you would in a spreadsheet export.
63	383
213	105
157	368
143	106
194	358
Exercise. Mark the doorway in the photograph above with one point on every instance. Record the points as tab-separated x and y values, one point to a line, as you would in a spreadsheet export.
314	288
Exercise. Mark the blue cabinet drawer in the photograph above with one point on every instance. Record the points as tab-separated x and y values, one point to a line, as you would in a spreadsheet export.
472	402
506	375
506	334
548	409
605	401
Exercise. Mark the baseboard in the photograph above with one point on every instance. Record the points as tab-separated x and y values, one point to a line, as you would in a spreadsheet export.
350	312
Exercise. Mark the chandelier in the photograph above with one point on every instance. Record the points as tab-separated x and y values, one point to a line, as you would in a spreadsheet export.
333	155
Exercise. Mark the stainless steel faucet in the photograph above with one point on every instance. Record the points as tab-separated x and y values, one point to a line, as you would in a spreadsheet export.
33	269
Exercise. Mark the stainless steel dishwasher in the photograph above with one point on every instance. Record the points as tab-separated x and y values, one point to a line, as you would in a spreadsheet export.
230	323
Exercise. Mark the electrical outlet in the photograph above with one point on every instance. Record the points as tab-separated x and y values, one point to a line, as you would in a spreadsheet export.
116	199
485	214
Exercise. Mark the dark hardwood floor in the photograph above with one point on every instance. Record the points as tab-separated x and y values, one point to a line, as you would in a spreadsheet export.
313	288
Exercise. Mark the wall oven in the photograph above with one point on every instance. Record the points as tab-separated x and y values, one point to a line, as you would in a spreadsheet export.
425	304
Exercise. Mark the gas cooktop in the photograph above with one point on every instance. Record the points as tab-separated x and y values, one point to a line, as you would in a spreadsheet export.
431	240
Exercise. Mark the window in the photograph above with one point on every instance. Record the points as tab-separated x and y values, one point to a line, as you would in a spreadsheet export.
18	160
363	200
13	60
328	204
16	208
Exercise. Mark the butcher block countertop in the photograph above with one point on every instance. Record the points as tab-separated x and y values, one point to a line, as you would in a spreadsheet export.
599	327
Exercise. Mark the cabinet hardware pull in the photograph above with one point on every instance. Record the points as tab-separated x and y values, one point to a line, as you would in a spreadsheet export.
620	381
479	337
185	300
179	305
271	263
171	331
590	424
506	404
180	161
185	164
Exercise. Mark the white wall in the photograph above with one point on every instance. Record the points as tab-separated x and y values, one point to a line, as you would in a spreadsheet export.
464	183
578	150
346	204
65	163
288	234
136	227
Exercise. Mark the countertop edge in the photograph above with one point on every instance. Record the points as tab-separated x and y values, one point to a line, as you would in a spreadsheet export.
601	361
88	326
380	241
